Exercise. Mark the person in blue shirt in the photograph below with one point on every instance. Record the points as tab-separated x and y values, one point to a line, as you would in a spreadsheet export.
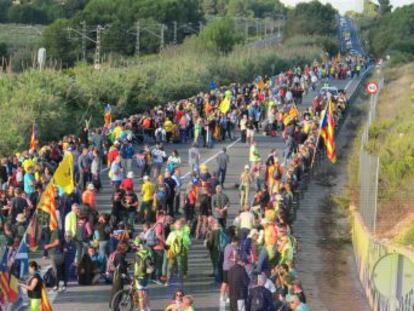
127	153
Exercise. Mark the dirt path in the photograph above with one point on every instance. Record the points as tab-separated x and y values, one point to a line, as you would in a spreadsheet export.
325	259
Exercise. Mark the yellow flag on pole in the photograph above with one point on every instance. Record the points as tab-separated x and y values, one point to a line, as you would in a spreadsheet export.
224	105
64	174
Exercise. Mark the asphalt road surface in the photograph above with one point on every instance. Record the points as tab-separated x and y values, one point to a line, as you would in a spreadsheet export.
198	284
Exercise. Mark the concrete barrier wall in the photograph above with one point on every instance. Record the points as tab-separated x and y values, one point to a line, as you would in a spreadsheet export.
386	271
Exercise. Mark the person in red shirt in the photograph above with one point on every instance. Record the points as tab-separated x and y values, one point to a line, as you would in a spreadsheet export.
113	153
128	183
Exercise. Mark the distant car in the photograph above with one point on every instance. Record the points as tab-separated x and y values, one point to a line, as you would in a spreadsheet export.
331	89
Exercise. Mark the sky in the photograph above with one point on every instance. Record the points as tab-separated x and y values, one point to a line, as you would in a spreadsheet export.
346	5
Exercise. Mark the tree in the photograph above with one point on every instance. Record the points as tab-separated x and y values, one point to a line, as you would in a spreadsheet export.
384	7
4	8
312	18
209	7
220	35
239	8
27	14
58	44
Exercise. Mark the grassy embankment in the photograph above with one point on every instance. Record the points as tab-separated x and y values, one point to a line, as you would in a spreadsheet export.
60	100
391	137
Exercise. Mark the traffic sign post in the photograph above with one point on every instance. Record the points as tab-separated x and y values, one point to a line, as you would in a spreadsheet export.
372	88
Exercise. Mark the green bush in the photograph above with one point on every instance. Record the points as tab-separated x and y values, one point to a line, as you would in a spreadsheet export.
220	35
60	100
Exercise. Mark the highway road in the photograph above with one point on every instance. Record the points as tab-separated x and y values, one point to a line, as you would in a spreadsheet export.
199	284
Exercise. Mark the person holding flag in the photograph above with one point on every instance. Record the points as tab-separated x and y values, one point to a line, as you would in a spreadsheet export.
38	300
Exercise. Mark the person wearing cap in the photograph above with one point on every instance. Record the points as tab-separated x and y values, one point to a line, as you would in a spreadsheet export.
128	183
238	285
89	197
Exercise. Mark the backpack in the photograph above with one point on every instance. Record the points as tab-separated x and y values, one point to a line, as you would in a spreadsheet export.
49	278
224	240
143	265
177	246
152	239
258	302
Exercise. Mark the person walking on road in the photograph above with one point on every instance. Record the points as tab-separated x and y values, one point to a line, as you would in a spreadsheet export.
245	181
223	160
221	204
238	286
194	158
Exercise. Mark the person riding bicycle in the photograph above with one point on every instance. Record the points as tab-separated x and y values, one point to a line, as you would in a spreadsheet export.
143	268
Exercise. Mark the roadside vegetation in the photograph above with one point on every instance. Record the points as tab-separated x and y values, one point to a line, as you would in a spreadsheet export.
391	137
55	97
387	32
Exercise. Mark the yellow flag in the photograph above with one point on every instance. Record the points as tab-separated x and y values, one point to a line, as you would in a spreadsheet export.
224	105
64	174
291	115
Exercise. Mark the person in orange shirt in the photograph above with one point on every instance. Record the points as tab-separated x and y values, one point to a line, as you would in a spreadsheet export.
89	197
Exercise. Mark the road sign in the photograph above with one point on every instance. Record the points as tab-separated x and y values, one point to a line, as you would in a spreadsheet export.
372	88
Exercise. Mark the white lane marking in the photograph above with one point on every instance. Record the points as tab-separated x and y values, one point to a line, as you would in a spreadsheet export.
213	156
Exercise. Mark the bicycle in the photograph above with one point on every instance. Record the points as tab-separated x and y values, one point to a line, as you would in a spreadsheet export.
123	299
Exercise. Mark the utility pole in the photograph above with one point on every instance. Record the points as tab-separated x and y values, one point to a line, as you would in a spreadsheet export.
175	33
83	23
162	37
246	30
137	42
98	47
200	26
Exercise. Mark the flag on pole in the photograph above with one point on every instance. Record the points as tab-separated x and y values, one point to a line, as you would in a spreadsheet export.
64	174
224	105
34	139
327	130
14	291
49	206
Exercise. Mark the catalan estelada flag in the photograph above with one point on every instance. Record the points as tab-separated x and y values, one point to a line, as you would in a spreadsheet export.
45	303
327	130
48	204
4	277
34	139
8	282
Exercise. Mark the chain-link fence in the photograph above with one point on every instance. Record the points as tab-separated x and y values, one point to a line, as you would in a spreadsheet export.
368	172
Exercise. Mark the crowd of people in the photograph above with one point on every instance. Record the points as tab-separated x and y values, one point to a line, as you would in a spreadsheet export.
152	223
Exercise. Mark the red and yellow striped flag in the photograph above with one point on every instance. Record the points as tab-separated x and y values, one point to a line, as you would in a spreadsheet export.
45	305
48	204
328	132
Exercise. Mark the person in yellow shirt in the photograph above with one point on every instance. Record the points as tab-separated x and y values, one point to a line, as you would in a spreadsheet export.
168	126
147	195
117	131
